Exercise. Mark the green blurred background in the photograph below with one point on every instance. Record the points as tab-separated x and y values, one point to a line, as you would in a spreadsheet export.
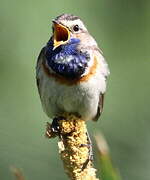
121	28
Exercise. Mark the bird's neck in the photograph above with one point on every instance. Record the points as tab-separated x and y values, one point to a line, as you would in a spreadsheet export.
67	60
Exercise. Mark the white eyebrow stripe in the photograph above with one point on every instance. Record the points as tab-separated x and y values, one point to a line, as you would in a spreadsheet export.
74	22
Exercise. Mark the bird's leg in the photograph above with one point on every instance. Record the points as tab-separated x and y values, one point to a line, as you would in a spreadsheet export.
53	130
90	153
55	124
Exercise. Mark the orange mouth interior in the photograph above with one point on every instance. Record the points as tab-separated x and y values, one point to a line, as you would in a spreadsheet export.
61	35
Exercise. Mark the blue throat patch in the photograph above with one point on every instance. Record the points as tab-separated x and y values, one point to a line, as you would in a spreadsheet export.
66	60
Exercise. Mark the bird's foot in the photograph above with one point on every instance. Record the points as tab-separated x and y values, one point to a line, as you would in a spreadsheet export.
90	152
53	130
55	125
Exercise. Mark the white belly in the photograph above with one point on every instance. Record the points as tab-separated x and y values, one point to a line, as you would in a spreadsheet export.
82	98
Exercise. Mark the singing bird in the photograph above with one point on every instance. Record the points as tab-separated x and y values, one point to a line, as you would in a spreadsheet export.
71	71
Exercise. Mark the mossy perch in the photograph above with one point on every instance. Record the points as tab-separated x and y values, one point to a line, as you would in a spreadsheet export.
73	137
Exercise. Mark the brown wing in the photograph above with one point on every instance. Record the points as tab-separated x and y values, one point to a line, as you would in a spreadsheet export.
38	66
100	107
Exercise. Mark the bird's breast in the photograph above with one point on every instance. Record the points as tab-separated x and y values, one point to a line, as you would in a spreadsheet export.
59	95
67	61
69	82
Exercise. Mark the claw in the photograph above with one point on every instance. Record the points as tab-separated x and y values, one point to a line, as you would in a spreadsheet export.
48	132
53	130
55	124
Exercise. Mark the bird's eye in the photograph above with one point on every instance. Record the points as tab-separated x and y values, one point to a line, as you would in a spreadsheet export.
76	28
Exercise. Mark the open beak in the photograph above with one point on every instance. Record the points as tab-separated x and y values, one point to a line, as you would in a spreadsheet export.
61	34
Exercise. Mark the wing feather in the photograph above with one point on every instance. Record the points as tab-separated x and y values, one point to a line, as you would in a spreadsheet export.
38	66
105	72
100	107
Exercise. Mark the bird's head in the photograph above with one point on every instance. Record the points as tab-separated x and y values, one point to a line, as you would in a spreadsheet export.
69	52
67	28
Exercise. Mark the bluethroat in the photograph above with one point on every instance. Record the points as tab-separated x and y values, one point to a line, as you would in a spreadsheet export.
71	71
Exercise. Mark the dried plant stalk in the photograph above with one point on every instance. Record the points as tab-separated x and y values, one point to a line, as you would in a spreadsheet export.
72	147
17	173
